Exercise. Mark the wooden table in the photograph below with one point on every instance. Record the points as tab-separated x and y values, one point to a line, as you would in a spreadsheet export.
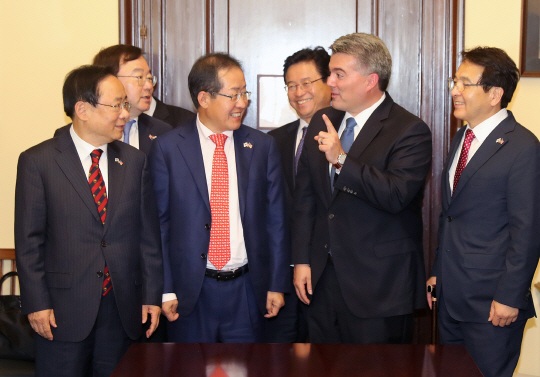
282	360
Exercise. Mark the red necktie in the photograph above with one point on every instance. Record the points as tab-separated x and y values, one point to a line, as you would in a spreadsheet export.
219	252
97	186
462	162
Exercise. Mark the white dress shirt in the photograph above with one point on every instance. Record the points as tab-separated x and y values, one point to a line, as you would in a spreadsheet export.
361	119
481	132
83	150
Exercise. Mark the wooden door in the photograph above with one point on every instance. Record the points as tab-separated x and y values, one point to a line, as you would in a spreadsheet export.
423	37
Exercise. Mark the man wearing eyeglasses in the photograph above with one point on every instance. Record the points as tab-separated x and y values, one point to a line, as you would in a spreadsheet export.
89	261
489	242
221	204
357	220
133	71
305	73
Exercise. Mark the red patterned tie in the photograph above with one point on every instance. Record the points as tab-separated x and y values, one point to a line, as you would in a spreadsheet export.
219	251
462	162
97	186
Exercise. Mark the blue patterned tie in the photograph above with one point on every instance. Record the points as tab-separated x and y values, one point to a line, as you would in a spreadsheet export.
299	150
347	139
127	128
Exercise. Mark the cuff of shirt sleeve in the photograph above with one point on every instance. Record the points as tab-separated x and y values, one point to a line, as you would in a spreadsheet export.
169	297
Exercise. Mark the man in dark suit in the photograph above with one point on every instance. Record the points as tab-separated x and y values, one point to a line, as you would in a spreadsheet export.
489	242
131	68
173	115
305	73
357	223
221	204
89	259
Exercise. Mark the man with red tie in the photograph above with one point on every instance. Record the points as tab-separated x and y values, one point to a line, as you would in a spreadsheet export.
87	234
221	204
489	242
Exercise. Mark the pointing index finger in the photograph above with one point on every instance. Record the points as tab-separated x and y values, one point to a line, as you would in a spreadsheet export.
329	125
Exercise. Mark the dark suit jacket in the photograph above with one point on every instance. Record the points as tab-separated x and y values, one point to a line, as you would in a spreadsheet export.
149	129
489	238
184	208
173	115
372	222
61	244
286	141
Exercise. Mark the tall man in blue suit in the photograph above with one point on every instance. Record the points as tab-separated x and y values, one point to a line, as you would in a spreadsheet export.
87	234
221	204
489	239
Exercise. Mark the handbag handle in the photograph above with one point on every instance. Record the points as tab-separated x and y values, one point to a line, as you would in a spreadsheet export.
8	275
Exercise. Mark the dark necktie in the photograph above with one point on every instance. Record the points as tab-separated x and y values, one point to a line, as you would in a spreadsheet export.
219	251
462	162
299	150
97	186
347	139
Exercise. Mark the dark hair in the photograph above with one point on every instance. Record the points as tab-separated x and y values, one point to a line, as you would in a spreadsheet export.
116	55
82	84
318	55
499	70
203	76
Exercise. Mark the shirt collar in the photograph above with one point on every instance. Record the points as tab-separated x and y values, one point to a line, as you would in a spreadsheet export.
206	132
362	117
483	129
83	148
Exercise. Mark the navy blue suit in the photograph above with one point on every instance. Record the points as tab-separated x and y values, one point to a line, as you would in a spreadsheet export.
489	242
184	208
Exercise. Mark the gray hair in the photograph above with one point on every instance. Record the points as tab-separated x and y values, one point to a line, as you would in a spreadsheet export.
370	52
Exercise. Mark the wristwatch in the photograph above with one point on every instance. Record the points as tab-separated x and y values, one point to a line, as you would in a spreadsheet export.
340	161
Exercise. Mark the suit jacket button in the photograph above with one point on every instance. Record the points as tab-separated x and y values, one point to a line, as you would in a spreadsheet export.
203	256
207	226
103	244
331	216
449	218
99	274
326	246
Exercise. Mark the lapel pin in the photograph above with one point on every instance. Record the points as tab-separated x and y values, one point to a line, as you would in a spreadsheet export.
118	161
500	141
248	145
152	137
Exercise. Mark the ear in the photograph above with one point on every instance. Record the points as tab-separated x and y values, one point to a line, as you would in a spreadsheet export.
495	95
204	99
82	110
373	80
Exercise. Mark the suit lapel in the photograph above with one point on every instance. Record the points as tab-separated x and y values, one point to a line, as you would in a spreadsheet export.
243	154
145	129
445	184
336	117
161	111
115	180
189	146
489	147
68	160
290	148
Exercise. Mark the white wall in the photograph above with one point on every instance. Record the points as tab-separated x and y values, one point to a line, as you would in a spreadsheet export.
41	41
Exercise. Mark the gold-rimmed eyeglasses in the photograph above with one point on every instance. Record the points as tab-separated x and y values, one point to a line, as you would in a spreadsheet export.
121	106
305	86
459	84
235	97
142	80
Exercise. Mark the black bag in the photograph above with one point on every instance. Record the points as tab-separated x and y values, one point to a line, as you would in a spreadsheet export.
16	334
